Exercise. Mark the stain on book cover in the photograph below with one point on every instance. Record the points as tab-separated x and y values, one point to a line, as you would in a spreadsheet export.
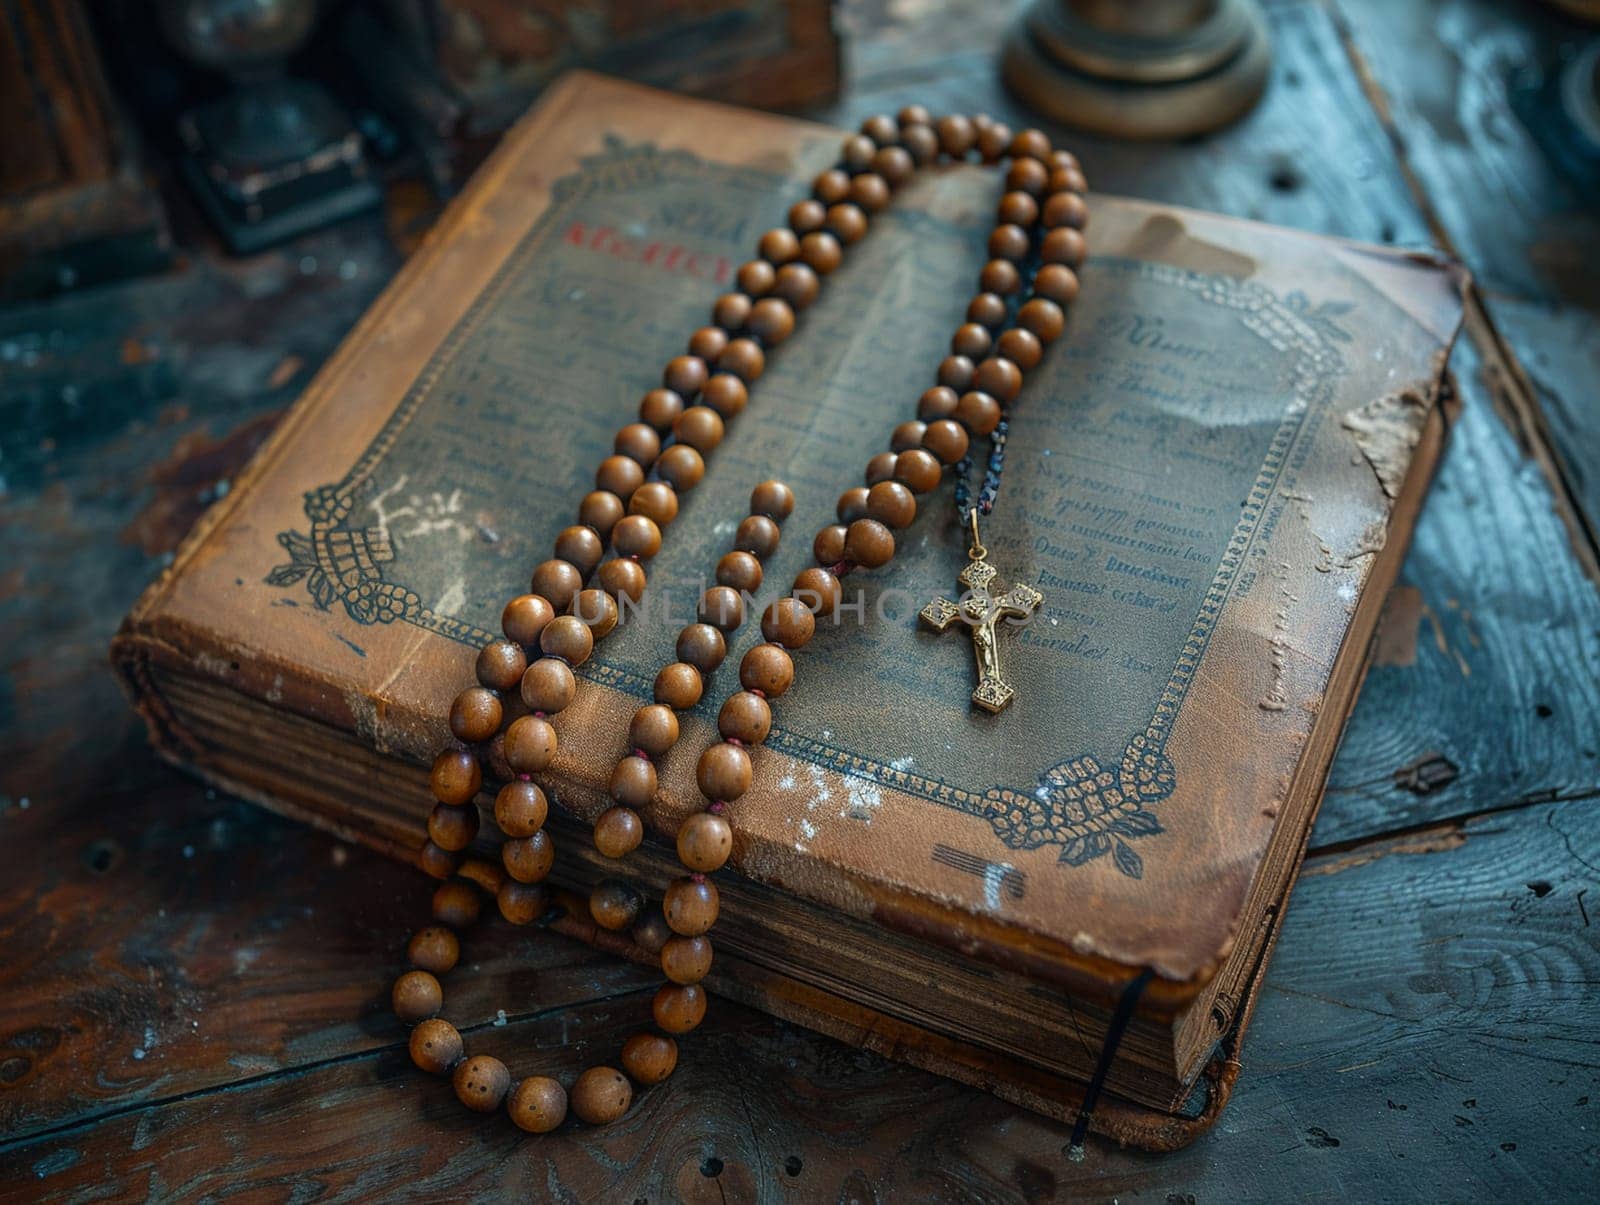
1144	457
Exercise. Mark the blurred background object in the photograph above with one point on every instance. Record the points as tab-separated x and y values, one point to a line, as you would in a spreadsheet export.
1139	68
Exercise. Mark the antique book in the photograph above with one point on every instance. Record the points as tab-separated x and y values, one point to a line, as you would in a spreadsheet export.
1212	480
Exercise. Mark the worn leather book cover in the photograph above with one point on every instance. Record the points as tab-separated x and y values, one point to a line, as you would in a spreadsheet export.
1210	479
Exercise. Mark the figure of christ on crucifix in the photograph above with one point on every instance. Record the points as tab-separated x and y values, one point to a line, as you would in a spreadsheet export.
981	612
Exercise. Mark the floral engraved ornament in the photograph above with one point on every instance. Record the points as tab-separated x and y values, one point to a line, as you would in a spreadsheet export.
1088	810
340	564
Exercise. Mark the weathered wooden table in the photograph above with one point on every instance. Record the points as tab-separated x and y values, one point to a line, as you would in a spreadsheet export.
192	998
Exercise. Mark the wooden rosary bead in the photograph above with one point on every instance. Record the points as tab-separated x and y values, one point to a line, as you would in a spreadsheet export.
755	278
955	372
882	129
744	359
437	863
921	142
521	903
531	744
686	959
913	115
726	394
978	412
707	343
891	504
435	949
852	504
879	468
475	714
1057	283
704	842
529	859
758	535
639	441
831	186
486	876
520	808
678	686
918	470
618	832
1011	243
972	339
778	245
456	904
598	611
1001	277
655	500
1067	179
772	499
956	135
537	1105
1021	347
828	547
679	1007
494	752
772	320
681	467
524	618
1031	142
806	216
614	906
659	407
744	717
722	608
846	222
1042	318
936	403
685	375
651	933
870	191
998	377
600	509
633	782
580	546
549	685
455	777
620	475
856	152
453	828
654	727
767	667
1063	245
481	1083
1064	158
947	439
500	665
436	1046
622	578
987	308
993	141
702	646
649	1058
601	1095
558	580
906	436
819	590
1066	209
638	536
700	427
731	310
739	571
567	637
894	164
724	772
1018	208
869	543
1028	175
821	252
691	905
787	622
797	285
416	996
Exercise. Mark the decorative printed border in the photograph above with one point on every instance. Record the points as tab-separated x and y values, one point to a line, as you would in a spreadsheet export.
1079	804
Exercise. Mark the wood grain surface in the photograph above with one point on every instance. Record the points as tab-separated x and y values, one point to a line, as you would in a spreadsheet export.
193	990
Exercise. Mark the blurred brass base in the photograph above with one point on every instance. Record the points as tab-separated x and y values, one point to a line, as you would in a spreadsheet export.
1108	70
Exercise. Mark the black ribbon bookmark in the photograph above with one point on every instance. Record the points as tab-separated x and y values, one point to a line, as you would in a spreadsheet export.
1108	1051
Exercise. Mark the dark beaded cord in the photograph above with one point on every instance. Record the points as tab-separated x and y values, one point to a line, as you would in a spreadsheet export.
507	720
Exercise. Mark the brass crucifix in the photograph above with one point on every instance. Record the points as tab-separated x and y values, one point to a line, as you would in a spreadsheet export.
980	610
